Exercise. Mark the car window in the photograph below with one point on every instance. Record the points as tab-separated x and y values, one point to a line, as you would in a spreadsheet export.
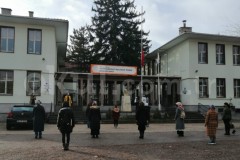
27	109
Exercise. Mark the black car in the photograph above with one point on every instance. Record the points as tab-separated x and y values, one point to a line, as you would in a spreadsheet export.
20	116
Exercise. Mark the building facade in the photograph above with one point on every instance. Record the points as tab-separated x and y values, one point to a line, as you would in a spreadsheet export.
208	65
31	51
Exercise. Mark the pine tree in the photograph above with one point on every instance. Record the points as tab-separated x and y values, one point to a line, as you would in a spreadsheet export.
117	30
79	52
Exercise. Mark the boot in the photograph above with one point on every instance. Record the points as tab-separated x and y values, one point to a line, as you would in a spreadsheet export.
178	132
66	147
182	133
63	146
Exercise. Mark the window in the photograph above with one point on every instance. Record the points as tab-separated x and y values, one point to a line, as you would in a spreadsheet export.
33	83
221	88
220	54
202	53
34	41
236	55
7	39
6	82
203	87
236	83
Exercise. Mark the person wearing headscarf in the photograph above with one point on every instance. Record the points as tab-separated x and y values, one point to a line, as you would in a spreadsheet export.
94	118
227	117
65	123
141	119
38	119
211	123
179	120
115	115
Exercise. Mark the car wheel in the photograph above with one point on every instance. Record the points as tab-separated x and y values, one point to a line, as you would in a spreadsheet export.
8	127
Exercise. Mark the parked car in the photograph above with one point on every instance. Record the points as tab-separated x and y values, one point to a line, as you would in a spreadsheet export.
20	116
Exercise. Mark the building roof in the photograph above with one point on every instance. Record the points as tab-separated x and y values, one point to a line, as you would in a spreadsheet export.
191	35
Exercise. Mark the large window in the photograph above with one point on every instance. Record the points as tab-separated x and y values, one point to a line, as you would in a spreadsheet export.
202	53
236	55
221	88
236	83
6	82
33	83
7	39
203	87
34	41
220	54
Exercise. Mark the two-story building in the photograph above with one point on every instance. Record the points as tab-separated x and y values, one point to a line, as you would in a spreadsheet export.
208	65
31	51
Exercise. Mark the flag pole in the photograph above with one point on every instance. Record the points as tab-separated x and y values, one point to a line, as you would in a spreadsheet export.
159	97
141	54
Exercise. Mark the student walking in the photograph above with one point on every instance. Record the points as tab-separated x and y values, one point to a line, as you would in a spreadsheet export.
141	119
211	122
227	117
179	119
94	117
115	115
65	123
38	119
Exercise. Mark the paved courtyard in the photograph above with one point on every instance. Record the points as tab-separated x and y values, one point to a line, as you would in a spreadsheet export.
160	142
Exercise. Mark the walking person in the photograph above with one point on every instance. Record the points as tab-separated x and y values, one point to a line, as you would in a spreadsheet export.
94	118
115	115
227	117
65	123
211	122
141	119
38	119
179	119
32	99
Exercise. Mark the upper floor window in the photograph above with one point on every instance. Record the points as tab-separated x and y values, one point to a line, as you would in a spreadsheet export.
221	88
7	39
6	82
34	41
203	87
202	53
236	83
220	54
33	83
236	55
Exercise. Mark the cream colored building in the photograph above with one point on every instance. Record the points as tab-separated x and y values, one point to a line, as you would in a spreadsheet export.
31	50
209	67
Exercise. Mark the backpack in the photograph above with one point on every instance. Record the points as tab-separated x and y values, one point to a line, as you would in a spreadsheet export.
182	115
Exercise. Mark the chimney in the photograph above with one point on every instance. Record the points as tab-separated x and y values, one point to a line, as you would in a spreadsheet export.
30	13
184	29
6	11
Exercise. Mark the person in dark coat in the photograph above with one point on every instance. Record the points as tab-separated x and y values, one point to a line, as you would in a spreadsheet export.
65	123
87	112
179	120
227	117
38	119
115	115
94	118
141	119
32	99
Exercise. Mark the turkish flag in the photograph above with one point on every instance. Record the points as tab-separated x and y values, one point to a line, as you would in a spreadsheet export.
142	58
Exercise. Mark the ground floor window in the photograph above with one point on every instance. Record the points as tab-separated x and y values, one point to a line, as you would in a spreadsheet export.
221	88
6	82
236	83
33	83
203	87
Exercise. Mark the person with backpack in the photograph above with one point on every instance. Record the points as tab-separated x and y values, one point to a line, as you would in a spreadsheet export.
65	123
179	119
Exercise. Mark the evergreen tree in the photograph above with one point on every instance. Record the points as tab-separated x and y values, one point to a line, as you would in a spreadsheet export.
79	52
117	30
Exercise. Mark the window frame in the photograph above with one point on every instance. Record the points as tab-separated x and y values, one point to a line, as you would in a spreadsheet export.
221	87
236	56
220	55
31	89
8	38
203	89
6	82
201	53
236	88
34	42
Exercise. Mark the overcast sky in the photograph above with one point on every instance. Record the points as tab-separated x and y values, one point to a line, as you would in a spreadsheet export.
163	17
